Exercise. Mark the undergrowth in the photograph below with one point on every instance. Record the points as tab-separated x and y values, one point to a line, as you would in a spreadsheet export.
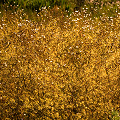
58	66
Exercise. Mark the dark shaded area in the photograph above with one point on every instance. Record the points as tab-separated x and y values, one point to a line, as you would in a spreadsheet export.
80	2
2	1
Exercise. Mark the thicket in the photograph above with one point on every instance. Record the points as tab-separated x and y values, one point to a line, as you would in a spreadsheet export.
95	7
59	67
39	4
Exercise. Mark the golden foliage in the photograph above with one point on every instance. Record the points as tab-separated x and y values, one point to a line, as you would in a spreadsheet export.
67	70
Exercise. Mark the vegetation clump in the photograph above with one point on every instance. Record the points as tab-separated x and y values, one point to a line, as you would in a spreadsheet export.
57	66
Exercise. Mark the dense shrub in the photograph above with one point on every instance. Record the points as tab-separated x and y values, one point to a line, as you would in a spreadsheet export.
96	7
59	67
38	4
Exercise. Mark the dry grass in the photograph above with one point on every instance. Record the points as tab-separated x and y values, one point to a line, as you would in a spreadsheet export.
65	68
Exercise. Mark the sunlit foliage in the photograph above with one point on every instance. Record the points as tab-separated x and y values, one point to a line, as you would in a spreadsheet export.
60	67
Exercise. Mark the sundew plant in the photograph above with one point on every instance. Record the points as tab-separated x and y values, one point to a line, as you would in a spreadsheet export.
59	67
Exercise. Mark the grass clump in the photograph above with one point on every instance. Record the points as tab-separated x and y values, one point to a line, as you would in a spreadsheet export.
59	67
37	4
115	115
